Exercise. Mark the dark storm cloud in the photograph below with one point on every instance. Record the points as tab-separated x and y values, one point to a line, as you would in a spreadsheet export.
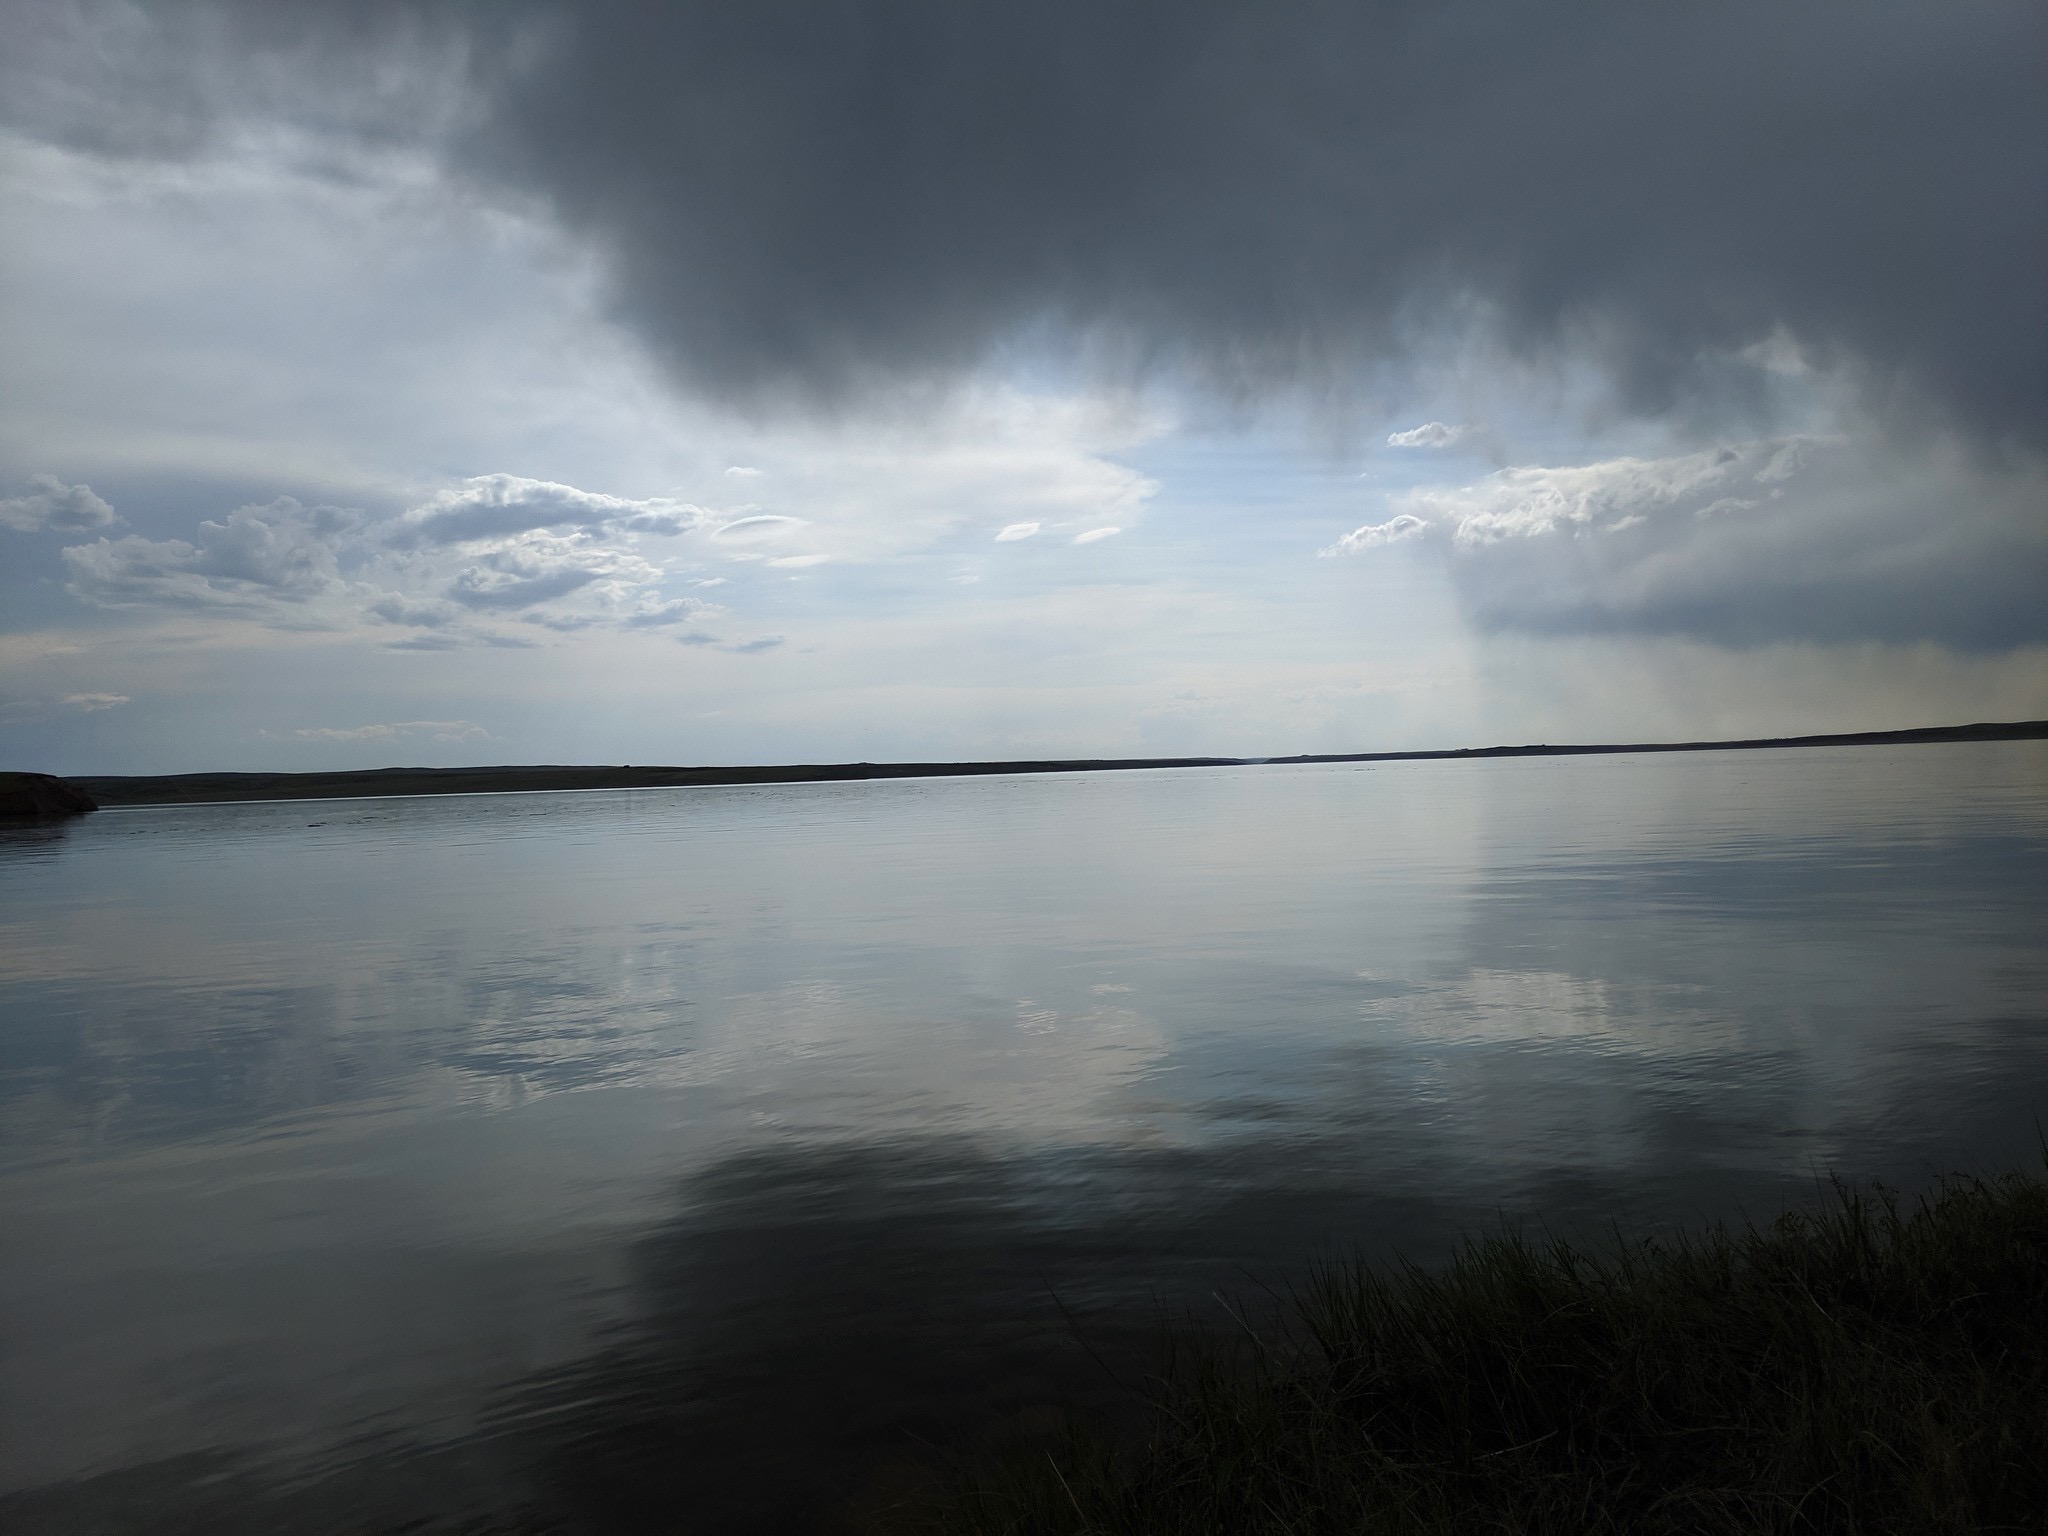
162	78
814	196
804	201
813	193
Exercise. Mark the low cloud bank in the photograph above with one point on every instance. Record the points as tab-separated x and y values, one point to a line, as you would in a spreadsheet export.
1791	538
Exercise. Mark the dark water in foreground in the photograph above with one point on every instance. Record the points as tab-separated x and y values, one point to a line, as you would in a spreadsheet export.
710	1152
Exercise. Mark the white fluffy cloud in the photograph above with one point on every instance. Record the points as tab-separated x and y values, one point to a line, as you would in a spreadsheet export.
53	504
1615	494
272	560
539	568
448	568
1825	538
507	559
437	730
756	528
1373	535
1431	434
499	506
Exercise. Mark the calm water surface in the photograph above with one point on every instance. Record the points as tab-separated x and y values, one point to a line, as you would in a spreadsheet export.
570	1159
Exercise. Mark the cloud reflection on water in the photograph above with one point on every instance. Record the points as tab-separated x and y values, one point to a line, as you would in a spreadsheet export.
591	1148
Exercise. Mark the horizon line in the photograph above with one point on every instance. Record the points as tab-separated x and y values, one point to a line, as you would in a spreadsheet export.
354	783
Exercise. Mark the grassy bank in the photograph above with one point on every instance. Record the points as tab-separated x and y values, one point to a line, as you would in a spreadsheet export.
1870	1365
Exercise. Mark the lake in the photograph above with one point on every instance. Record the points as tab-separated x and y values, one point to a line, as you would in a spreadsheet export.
717	1155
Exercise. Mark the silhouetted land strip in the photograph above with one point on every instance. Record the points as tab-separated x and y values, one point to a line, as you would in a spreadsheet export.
37	797
188	788
1869	1366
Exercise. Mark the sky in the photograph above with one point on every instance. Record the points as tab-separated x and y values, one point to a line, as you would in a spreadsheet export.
402	382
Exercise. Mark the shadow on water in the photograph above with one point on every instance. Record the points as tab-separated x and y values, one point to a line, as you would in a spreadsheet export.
819	1320
817	1327
814	1326
824	1325
820	1325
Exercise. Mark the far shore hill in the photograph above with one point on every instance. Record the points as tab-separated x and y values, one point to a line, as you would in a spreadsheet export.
194	788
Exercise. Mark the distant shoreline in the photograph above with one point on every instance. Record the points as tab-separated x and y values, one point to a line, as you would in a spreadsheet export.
202	788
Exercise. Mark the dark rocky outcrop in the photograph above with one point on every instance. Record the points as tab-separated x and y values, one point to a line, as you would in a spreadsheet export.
40	797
